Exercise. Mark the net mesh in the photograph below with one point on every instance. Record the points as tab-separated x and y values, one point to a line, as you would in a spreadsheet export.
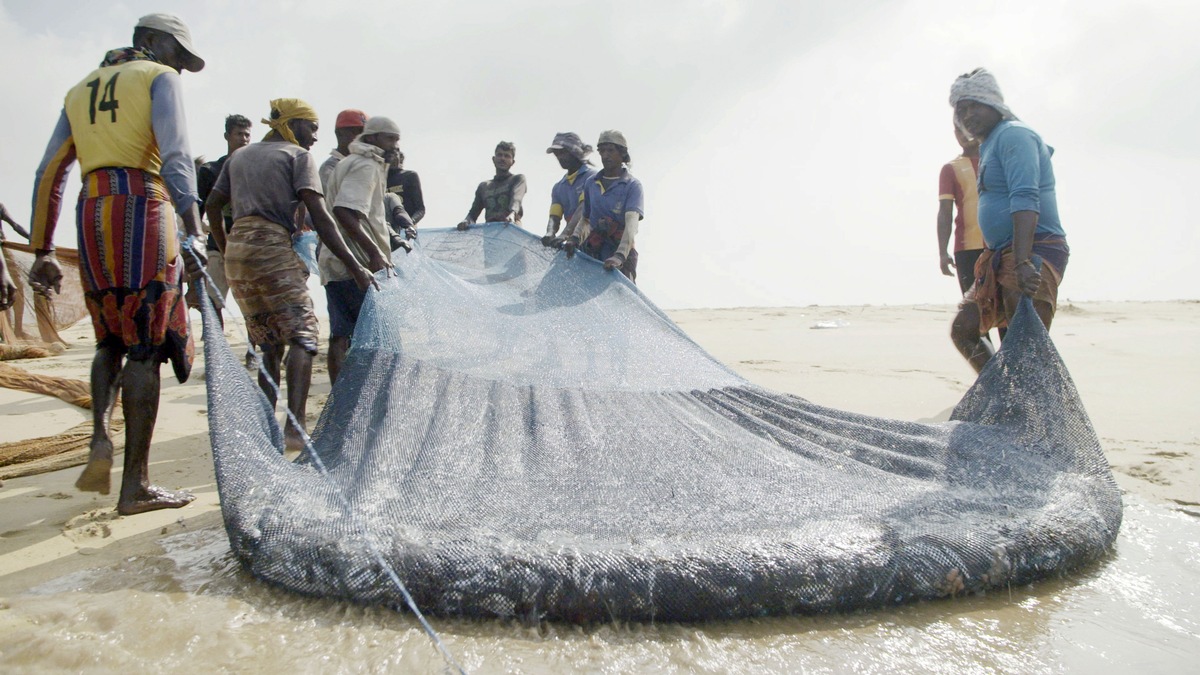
523	435
35	320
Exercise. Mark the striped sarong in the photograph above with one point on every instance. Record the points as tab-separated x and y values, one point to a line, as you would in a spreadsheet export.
270	284
130	267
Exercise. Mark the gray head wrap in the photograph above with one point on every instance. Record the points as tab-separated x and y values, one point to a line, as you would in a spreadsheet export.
570	142
980	86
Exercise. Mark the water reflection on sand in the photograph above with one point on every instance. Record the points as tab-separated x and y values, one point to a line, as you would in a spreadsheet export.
191	606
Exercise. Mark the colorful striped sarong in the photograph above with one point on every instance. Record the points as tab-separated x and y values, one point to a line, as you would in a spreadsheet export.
130	267
270	284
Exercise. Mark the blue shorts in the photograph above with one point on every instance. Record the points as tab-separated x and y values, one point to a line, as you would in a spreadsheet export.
345	301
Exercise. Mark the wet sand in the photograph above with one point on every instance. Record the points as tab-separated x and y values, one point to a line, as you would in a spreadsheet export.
68	564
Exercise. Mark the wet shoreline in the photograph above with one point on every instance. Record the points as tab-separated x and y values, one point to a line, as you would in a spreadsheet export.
191	604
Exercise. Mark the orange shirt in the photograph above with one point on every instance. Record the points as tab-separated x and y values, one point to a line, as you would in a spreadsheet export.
958	182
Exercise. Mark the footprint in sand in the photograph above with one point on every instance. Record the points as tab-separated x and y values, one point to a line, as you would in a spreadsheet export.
90	525
1146	472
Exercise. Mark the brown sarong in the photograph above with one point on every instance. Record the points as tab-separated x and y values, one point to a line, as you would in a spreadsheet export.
270	284
997	292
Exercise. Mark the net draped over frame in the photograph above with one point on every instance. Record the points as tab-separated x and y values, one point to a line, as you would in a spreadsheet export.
524	435
36	320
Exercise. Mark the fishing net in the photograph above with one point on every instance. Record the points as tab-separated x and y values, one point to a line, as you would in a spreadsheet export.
34	321
516	434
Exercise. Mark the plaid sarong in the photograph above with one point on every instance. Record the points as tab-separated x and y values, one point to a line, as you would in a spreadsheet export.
996	271
270	284
130	267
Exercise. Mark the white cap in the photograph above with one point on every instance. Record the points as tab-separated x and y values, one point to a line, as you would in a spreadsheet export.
173	26
380	125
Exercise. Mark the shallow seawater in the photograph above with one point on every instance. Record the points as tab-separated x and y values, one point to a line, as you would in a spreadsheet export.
192	607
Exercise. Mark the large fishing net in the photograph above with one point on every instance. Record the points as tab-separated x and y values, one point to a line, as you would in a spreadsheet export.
518	434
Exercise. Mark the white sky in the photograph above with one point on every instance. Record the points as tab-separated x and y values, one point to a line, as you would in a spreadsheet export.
789	151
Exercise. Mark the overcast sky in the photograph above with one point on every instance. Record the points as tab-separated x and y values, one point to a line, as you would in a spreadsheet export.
789	150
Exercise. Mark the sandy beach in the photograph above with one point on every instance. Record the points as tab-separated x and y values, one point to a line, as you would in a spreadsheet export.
1136	365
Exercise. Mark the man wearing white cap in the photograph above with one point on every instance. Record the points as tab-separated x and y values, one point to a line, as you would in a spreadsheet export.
124	123
356	192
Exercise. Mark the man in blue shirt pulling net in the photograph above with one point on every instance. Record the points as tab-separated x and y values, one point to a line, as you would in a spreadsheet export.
1018	213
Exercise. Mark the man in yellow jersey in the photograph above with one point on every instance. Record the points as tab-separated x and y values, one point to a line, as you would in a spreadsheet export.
958	206
956	192
124	123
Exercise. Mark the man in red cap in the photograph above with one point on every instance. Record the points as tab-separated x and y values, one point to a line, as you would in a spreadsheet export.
349	125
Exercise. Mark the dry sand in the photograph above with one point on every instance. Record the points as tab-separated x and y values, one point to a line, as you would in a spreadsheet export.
1136	365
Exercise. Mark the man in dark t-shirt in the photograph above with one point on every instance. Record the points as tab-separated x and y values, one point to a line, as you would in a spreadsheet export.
499	199
237	135
407	186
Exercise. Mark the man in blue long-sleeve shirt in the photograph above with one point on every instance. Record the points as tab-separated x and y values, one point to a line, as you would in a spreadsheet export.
1018	213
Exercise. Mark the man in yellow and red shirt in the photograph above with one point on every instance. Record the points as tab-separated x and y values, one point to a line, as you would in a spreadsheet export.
124	123
957	192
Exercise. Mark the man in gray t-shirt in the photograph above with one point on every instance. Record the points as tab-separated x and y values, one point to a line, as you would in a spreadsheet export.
265	182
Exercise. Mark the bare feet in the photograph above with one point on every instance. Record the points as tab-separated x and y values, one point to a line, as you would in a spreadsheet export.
293	441
96	476
153	498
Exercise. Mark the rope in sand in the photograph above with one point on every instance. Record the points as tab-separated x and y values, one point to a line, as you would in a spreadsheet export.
34	456
47	453
75	392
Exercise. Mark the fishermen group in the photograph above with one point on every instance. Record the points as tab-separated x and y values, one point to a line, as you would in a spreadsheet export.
124	124
598	210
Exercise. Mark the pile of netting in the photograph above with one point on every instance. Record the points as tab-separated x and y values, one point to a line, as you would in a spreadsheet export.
518	434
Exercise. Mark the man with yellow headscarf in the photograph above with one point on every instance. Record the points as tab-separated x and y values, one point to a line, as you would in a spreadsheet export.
124	124
264	182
